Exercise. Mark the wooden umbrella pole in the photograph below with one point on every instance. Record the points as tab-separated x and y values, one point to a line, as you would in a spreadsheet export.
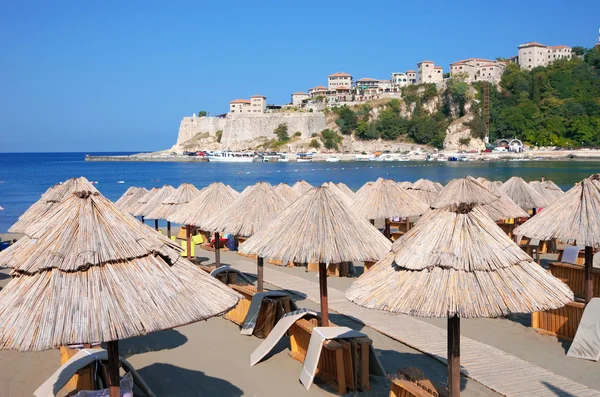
188	237
533	211
323	289
589	280
168	229
407	224
217	249
142	219
114	381
454	356
372	221
387	228
156	225
259	274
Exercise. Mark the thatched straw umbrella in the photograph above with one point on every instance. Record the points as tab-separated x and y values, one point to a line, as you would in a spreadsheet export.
211	200
302	187
468	190
456	262
92	273
573	219
153	201
405	184
425	190
547	189
364	187
135	209
251	212
289	194
132	195
49	199
318	228
524	195
385	199
185	193
344	188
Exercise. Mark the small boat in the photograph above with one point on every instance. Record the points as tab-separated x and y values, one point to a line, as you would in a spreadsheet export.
304	157
120	182
284	159
332	159
227	156
364	157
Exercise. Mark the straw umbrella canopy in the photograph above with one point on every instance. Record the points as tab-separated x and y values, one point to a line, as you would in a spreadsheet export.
385	199
468	190
49	199
302	187
547	189
405	184
131	196
334	188
524	195
153	201
574	219
321	228
211	200
251	212
92	273
456	262
135	208
425	190
289	194
344	188
364	187
181	196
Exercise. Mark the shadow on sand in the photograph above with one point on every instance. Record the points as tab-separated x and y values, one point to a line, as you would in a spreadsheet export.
170	380
156	341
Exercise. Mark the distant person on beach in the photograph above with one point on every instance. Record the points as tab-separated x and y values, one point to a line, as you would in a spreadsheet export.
543	178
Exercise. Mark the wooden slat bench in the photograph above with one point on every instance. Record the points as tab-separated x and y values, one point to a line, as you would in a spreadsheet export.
574	277
344	364
405	388
271	309
562	322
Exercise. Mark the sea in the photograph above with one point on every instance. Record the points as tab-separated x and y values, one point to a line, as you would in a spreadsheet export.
25	176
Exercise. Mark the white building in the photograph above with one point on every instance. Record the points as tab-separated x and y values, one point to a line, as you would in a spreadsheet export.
412	77
317	91
531	55
337	80
256	104
478	69
399	80
298	97
367	83
428	72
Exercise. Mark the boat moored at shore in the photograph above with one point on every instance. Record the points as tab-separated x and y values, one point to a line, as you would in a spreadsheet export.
228	156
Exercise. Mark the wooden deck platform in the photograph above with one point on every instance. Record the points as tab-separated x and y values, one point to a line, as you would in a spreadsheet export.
490	366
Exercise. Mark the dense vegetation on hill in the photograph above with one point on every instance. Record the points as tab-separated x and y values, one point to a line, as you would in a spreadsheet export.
554	105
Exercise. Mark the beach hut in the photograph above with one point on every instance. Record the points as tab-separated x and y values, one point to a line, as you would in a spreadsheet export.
495	204
210	201
251	212
524	195
49	199
289	194
180	196
154	199
457	263
385	199
320	228
344	188
131	195
573	219
91	273
302	187
425	190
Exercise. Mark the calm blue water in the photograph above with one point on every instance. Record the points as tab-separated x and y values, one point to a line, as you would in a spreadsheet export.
24	177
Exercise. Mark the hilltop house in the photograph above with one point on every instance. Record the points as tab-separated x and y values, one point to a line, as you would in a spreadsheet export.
256	104
478	69
339	79
531	55
298	97
428	72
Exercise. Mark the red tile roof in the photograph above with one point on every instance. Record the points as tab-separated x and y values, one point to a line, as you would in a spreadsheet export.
558	47
340	74
411	71
367	79
470	60
532	44
240	101
342	88
438	67
258	96
319	88
299	93
424	62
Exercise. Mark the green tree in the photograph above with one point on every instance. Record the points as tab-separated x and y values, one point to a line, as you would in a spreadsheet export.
346	120
219	134
464	142
282	132
202	113
314	144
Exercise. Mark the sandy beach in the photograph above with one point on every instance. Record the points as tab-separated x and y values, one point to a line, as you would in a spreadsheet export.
211	357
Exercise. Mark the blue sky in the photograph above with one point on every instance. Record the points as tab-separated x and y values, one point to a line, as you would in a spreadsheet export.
118	76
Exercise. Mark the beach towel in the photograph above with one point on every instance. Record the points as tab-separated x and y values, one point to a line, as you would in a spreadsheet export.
229	269
254	309
282	326
570	254
596	260
586	344
320	335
